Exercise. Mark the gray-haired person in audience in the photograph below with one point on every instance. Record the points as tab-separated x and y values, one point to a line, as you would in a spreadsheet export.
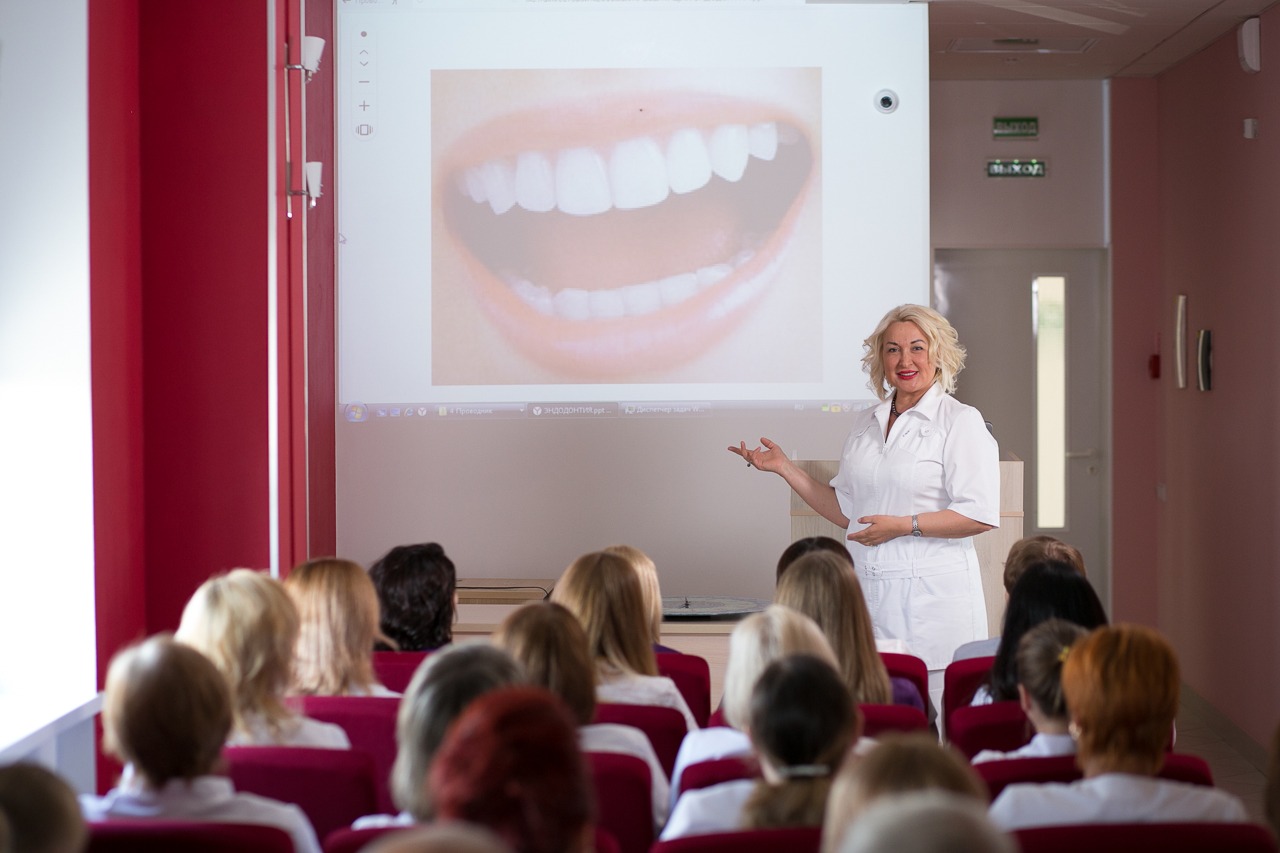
926	822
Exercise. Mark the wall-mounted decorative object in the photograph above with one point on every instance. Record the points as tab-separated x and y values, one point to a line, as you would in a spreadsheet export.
1204	360
1180	341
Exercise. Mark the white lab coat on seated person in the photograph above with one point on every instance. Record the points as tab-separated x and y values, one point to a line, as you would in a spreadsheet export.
925	591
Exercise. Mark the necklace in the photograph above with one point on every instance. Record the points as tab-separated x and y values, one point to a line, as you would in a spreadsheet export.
893	406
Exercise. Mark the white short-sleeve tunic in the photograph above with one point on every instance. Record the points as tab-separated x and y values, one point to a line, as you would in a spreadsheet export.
924	591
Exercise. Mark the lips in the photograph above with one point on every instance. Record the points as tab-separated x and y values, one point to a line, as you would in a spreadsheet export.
614	239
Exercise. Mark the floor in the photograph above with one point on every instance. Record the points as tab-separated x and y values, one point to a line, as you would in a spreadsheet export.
1232	771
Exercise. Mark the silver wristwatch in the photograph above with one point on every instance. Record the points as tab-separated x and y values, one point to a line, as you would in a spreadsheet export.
915	526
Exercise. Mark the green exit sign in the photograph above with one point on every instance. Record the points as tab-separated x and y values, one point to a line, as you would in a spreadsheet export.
1016	168
1015	127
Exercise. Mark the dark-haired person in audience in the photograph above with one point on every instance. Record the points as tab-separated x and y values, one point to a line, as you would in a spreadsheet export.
803	723
808	545
1121	685
1024	552
647	571
547	640
604	592
338	609
441	688
511	763
1048	589
247	625
40	812
926	822
166	712
899	764
1041	655
417	594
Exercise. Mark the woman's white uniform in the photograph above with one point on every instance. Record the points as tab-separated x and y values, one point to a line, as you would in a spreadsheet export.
923	590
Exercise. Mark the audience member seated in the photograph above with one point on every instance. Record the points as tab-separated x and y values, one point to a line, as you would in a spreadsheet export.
338	608
899	764
802	724
417	595
822	586
444	685
247	625
1041	654
808	545
1024	552
166	712
40	812
926	822
1046	590
757	641
647	571
547	640
454	837
1121	686
511	763
604	592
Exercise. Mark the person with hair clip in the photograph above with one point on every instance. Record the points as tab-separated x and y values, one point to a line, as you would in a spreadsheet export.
605	594
417	597
919	477
1122	685
247	625
1041	654
803	724
1023	553
338	608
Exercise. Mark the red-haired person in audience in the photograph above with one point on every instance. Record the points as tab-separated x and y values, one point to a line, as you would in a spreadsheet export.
166	712
40	812
604	592
247	625
417	589
1121	685
338	608
1041	655
511	763
803	723
547	640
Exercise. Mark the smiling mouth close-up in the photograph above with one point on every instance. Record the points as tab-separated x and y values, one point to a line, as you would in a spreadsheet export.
617	240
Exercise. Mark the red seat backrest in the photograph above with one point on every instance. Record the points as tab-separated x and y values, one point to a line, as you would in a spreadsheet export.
911	668
332	786
692	675
1001	726
665	727
370	724
1165	837
791	839
960	681
624	799
1178	767
891	718
704	774
355	840
395	669
164	836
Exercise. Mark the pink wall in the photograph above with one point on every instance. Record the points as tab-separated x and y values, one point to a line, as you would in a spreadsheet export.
1219	196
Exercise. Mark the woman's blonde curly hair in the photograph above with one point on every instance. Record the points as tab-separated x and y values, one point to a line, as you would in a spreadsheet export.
944	347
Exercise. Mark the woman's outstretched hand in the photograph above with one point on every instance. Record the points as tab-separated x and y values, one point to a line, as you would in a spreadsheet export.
767	458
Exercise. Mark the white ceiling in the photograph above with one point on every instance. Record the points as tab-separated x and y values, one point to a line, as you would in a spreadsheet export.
1121	38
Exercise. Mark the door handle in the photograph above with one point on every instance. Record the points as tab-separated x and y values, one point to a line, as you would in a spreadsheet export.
1091	453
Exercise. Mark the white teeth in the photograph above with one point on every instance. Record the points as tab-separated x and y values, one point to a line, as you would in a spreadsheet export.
688	162
635	173
729	151
632	300
535	182
582	184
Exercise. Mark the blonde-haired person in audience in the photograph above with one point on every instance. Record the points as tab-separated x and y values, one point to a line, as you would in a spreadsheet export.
1023	553
647	571
247	625
926	822
338	608
166	712
899	764
604	592
803	723
40	812
441	689
756	641
1041	654
453	837
822	586
547	640
1121	684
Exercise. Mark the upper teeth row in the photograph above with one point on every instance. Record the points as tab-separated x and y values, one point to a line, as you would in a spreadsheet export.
634	173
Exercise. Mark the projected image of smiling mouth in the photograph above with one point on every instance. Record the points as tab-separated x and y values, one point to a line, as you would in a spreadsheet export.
617	235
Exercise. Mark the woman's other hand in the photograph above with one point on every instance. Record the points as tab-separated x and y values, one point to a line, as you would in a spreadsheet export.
880	529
